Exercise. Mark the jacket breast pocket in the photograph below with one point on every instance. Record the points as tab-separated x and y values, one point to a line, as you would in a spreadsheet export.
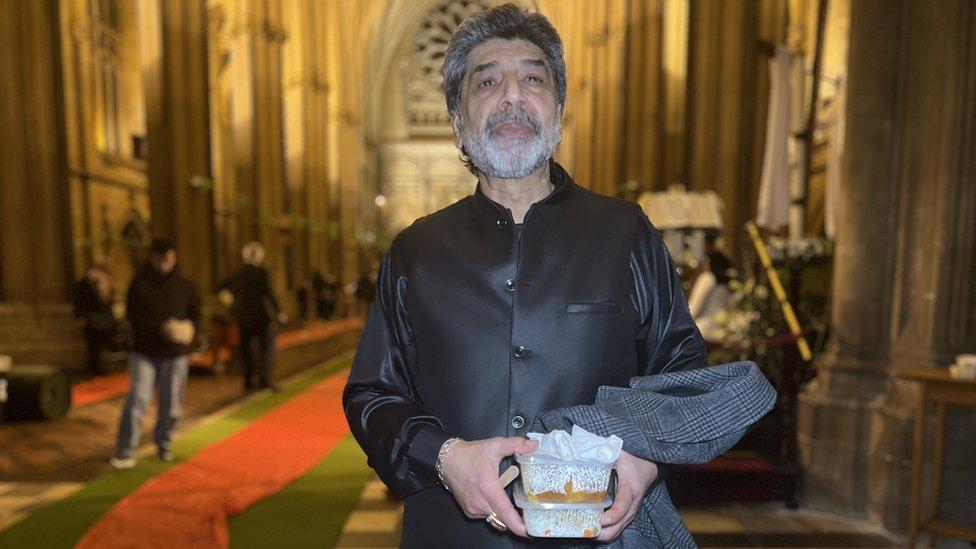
596	307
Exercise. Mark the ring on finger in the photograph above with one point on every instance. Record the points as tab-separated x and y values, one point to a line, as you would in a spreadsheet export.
496	522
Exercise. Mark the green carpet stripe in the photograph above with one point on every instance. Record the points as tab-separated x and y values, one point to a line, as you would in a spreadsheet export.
62	523
311	511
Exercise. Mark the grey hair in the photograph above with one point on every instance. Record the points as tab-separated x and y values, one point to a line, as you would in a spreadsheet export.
507	22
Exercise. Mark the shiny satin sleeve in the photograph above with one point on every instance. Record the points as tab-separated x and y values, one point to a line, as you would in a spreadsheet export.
400	438
668	339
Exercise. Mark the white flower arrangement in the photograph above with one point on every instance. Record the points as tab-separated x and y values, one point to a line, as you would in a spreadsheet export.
804	250
742	322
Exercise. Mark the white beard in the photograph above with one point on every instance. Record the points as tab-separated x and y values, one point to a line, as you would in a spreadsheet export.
510	158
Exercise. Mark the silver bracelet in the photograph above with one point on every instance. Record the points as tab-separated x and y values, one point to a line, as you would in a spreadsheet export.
439	464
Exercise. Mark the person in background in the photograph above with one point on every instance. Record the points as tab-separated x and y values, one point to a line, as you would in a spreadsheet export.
366	290
710	293
93	309
256	311
302	296
163	308
326	290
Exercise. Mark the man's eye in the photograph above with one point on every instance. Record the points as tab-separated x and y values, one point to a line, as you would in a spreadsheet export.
535	79
486	83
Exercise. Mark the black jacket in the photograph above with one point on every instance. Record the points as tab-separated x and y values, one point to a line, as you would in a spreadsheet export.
476	332
152	299
255	305
89	305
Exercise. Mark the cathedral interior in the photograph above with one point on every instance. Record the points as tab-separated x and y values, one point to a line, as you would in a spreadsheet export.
826	147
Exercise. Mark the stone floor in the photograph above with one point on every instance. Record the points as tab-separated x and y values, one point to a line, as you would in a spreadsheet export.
376	524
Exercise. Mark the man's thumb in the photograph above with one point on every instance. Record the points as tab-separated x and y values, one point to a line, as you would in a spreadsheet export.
520	445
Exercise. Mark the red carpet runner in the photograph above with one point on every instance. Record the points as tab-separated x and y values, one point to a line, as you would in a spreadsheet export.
99	389
188	505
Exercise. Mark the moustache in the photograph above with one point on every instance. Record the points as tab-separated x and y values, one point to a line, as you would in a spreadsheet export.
517	114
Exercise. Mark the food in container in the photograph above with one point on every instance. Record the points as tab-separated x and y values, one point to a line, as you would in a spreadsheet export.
565	481
561	520
569	467
552	480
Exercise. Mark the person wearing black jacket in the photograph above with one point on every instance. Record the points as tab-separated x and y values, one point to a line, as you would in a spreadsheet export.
164	311
256	311
525	297
93	309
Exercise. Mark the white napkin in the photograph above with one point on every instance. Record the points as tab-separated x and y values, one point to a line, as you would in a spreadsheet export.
582	445
179	331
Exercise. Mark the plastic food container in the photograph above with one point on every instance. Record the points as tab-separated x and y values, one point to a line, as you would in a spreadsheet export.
550	480
560	520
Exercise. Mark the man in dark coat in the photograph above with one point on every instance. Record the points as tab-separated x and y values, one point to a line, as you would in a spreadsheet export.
326	292
93	309
524	297
163	308
256	311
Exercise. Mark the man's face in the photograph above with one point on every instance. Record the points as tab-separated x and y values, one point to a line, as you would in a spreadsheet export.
508	121
163	263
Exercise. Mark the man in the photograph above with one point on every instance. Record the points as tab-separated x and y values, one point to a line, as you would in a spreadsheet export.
326	291
366	289
525	297
255	309
93	309
164	311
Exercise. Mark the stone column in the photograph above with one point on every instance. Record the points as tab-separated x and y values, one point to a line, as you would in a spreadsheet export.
595	37
933	305
36	324
643	126
35	247
723	66
268	43
317	188
177	114
904	294
835	408
250	183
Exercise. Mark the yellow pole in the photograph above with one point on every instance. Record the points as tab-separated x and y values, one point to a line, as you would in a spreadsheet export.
777	285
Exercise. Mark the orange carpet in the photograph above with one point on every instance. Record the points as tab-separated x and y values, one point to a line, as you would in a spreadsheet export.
188	505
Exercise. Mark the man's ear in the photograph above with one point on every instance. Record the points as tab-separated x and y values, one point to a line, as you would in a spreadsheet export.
456	129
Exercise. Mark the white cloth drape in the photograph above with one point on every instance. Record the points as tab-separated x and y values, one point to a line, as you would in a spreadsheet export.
774	189
708	299
835	158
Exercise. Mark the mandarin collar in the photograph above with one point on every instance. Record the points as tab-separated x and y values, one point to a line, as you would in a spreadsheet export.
562	185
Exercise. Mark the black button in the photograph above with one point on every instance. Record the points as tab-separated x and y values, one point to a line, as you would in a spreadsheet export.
502	222
510	285
518	422
519	351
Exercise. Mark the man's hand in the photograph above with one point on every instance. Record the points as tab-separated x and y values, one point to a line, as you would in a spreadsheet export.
634	478
471	471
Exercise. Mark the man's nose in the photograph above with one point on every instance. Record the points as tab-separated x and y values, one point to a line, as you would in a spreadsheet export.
512	95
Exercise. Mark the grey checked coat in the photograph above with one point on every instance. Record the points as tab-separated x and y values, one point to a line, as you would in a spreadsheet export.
690	416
